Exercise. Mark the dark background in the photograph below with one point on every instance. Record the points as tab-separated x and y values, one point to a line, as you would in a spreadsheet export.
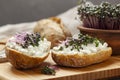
17	11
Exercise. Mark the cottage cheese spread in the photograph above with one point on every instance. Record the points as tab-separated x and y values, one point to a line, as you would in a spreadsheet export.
90	48
81	44
39	50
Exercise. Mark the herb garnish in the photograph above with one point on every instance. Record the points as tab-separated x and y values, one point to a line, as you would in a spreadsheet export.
48	70
31	39
61	48
82	40
25	39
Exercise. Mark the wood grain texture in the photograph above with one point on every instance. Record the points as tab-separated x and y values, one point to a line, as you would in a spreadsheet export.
109	68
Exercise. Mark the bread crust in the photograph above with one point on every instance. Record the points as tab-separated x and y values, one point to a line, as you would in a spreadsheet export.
23	61
62	26
53	30
81	60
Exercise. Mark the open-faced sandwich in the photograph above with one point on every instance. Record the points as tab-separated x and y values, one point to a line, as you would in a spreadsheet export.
52	29
81	51
26	50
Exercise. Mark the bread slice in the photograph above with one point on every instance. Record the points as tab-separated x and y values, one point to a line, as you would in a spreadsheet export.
22	61
81	60
27	50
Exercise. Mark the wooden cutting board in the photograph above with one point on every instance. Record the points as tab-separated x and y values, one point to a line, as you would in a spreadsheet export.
109	68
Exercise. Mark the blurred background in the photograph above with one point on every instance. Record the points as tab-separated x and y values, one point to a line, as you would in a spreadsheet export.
18	11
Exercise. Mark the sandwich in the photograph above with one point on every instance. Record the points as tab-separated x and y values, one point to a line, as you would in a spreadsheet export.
27	50
81	51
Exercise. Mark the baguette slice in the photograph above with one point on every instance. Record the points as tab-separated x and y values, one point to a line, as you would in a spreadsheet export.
22	61
81	60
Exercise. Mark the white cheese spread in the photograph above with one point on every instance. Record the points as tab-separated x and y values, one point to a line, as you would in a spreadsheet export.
39	50
90	48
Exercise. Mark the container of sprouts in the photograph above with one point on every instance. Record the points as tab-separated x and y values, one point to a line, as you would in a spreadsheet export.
101	21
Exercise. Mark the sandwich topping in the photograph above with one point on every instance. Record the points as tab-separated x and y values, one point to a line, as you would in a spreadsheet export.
82	44
29	43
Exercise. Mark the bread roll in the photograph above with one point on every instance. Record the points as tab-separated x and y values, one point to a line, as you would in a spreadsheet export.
21	61
52	29
81	60
23	54
81	52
